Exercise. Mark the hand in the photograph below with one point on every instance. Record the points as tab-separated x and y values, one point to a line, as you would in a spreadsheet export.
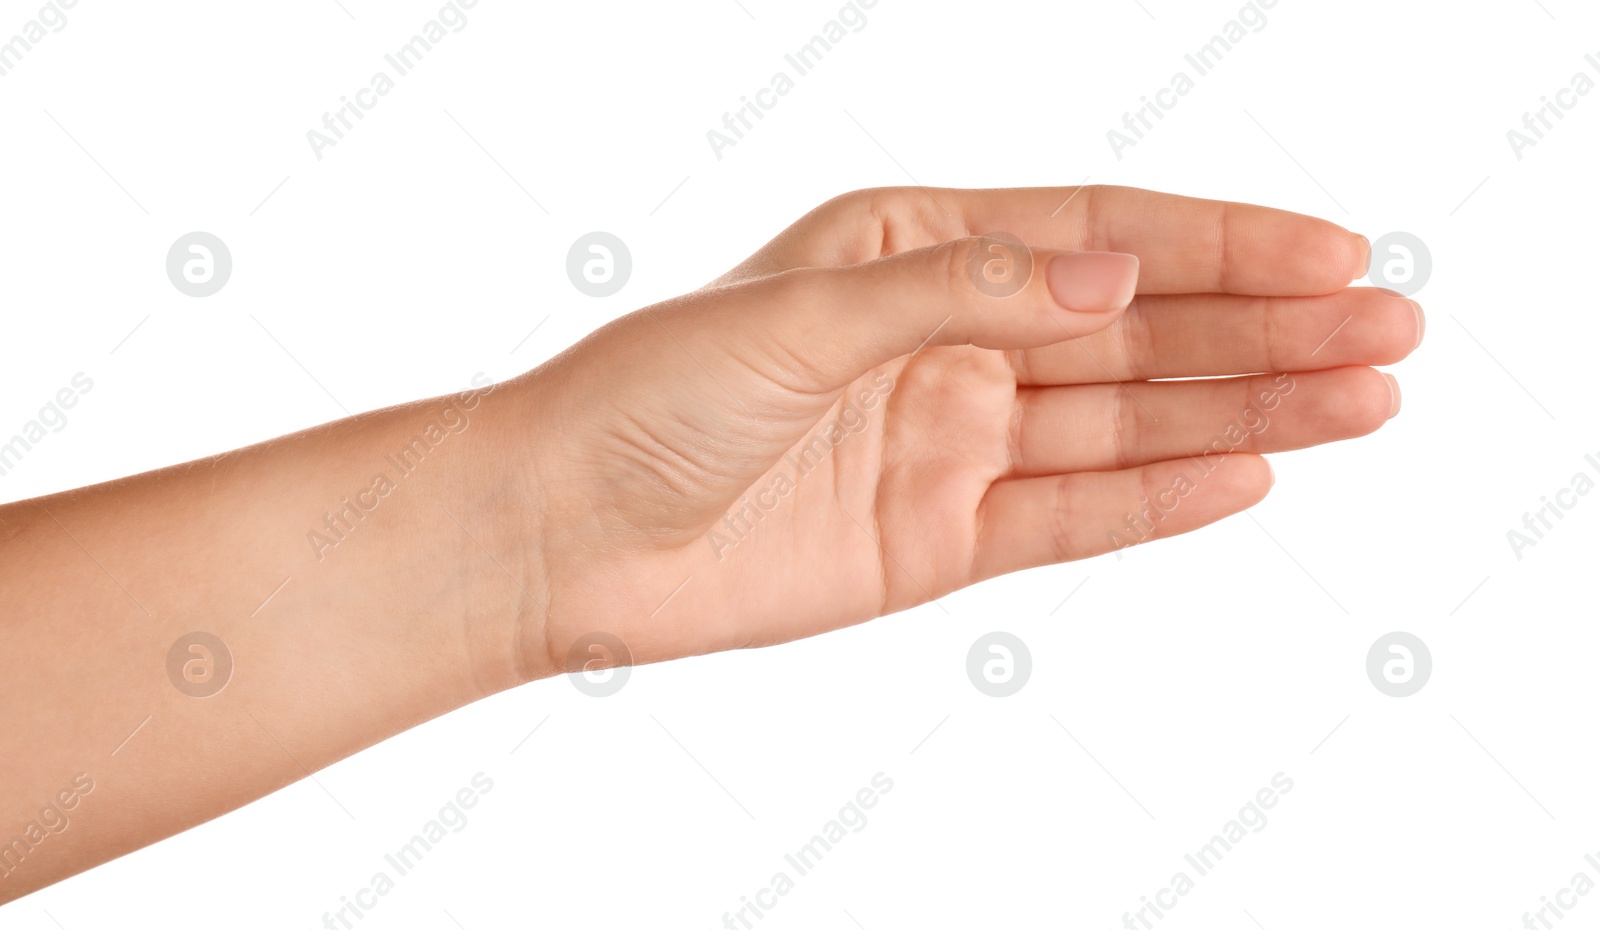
872	411
847	425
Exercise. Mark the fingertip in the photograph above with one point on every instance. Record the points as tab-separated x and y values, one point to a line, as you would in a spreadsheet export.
1352	401
1254	477
1309	256
1390	327
1236	481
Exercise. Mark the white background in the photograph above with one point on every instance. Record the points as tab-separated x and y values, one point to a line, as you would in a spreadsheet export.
1172	685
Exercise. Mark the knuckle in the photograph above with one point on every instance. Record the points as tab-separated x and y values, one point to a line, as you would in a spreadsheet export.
1064	522
949	260
861	203
1127	436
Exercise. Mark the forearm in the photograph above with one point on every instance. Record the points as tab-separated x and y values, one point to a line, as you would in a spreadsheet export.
364	576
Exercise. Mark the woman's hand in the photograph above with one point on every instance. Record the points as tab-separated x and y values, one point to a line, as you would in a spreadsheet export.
896	398
881	406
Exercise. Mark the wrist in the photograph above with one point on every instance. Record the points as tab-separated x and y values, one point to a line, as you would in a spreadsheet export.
502	538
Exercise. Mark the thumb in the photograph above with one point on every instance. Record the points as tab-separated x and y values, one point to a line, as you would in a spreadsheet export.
821	328
712	388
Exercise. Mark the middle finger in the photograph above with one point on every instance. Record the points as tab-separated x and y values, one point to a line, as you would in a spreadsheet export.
1203	335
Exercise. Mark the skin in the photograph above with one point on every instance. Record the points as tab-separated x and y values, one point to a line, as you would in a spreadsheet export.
978	435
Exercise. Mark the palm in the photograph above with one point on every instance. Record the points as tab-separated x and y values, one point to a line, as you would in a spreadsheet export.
886	518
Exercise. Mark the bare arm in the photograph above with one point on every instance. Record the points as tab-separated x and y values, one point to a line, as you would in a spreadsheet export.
877	408
392	610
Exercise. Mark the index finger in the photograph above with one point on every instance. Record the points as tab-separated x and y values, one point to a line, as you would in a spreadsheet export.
1185	244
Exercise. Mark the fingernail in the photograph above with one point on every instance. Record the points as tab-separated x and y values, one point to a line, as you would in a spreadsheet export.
1093	282
1394	394
1422	322
1366	256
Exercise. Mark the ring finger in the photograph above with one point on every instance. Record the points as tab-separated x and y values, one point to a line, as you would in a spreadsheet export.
1106	427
